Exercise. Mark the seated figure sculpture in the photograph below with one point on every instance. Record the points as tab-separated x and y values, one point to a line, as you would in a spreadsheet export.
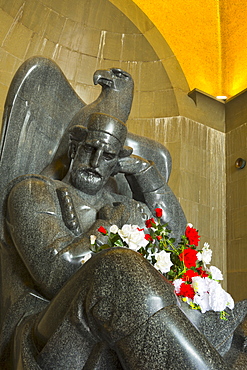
109	312
115	311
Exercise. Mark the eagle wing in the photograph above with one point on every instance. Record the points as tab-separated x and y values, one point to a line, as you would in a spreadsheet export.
39	106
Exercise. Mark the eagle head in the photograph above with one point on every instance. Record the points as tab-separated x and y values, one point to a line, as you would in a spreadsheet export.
114	78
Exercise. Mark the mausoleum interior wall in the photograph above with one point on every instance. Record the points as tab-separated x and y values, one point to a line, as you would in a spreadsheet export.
82	36
236	147
81	39
198	176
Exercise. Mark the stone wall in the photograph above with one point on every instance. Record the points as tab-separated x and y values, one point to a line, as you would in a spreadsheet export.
82	38
236	200
198	176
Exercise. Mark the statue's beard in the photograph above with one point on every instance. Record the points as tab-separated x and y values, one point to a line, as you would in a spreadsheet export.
87	180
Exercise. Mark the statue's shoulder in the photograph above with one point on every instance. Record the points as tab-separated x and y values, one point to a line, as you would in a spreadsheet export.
35	190
32	182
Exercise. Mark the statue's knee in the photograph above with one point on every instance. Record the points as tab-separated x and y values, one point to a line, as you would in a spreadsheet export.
123	260
125	292
124	275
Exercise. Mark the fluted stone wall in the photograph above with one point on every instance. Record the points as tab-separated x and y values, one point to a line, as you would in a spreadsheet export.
83	36
236	199
198	176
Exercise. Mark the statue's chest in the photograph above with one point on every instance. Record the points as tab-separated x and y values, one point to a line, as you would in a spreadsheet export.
86	216
79	211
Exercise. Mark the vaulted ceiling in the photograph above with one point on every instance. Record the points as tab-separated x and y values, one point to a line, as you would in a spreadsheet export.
208	38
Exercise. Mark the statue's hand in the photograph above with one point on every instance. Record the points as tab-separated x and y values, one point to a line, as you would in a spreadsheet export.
81	244
132	165
118	214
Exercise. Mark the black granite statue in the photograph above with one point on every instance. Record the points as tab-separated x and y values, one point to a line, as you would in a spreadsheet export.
115	311
115	99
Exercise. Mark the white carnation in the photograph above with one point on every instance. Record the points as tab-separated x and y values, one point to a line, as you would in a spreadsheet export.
92	239
114	229
210	295
133	236
216	273
177	283
200	285
164	262
125	231
205	255
219	299
229	301
203	301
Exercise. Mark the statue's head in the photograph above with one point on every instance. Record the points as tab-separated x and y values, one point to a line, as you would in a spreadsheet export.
95	152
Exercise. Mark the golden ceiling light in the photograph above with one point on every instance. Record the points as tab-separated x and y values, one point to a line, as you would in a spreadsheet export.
208	38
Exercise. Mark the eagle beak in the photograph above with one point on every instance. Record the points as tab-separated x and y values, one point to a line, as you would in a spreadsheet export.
103	78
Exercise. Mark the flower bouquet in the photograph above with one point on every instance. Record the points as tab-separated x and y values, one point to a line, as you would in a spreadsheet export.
195	281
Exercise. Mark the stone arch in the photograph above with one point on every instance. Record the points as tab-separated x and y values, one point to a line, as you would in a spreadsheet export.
156	40
90	35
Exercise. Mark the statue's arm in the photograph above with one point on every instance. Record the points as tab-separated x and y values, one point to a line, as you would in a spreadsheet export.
150	186
40	235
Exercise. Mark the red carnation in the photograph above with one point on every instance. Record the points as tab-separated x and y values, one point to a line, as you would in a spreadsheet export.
158	212
148	237
102	230
150	223
192	234
188	275
202	272
186	290
158	237
188	256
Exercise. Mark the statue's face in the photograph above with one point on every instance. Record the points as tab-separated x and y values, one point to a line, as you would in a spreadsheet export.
94	162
